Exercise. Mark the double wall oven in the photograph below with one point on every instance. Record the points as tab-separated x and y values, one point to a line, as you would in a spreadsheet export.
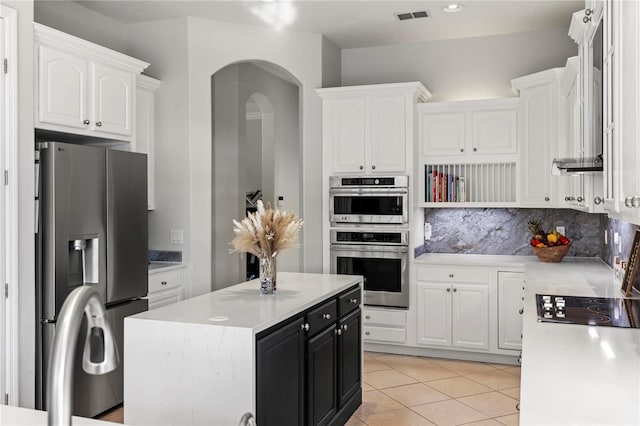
369	235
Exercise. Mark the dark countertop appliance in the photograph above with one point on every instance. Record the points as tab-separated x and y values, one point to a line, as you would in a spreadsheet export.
595	311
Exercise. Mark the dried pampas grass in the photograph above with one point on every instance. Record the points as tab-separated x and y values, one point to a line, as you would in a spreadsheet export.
266	232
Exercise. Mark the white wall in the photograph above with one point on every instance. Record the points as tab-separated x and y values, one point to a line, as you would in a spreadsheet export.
26	266
331	64
85	23
473	68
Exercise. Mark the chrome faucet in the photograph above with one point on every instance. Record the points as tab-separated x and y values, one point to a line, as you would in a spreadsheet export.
101	360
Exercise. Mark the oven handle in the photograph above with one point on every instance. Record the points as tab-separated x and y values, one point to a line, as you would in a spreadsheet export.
365	249
385	191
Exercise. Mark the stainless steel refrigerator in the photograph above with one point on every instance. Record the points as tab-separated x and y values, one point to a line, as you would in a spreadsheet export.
92	230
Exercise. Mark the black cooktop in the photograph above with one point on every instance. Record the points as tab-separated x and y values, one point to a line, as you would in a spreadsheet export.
600	311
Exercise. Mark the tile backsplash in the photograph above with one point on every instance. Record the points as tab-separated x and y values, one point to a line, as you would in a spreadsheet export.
505	231
626	232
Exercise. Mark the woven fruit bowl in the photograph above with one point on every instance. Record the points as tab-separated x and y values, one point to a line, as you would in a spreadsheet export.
551	254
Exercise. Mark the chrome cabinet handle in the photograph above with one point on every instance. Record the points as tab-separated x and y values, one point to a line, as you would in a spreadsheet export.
520	359
579	199
635	201
475	149
521	311
367	317
361	167
597	201
345	327
367	333
627	202
547	199
339	332
86	122
461	149
326	316
373	167
569	198
99	123
163	283
305	327
587	15
448	290
354	301
455	289
450	275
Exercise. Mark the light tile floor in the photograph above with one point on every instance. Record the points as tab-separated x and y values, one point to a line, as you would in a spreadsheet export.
401	390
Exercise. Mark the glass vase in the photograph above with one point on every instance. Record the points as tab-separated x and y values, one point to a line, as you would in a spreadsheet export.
267	275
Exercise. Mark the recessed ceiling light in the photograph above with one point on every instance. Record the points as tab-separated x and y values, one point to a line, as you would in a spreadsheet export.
452	8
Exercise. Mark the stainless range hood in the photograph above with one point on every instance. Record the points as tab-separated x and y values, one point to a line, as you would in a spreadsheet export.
574	166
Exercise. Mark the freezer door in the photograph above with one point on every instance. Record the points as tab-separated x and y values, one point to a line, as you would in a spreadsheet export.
73	218
127	249
93	395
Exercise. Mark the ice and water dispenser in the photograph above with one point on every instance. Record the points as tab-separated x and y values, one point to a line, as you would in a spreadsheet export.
84	262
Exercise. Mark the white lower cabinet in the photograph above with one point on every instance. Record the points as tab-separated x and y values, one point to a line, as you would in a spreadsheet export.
165	287
453	309
381	325
510	309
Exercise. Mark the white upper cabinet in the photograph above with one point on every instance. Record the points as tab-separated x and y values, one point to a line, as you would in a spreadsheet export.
369	129
83	88
468	130
539	128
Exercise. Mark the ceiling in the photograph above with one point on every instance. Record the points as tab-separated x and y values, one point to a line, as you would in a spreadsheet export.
361	23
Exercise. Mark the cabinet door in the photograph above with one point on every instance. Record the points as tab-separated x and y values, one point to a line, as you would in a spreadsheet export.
386	128
112	100
62	88
165	297
144	140
494	132
510	303
347	127
470	310
434	314
442	134
322	377
280	377
536	154
349	357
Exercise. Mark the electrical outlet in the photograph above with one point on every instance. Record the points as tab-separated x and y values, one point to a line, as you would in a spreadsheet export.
427	231
606	237
561	230
177	236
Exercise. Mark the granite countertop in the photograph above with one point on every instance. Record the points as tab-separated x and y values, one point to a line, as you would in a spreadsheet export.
576	374
242	305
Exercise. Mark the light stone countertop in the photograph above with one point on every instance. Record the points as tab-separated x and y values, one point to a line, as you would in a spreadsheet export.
243	306
17	416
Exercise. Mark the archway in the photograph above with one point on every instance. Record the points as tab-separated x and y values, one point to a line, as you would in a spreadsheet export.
256	147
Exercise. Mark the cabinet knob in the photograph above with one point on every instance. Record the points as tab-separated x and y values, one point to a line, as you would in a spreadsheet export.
344	327
367	317
475	149
450	275
579	199
520	359
366	333
339	332
163	283
448	290
326	316
627	202
86	122
99	123
361	167
569	198
521	311
373	167
597	201
547	199
305	327
455	289
518	406
354	301
635	201
461	149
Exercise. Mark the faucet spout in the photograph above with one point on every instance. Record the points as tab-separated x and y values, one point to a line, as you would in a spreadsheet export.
83	299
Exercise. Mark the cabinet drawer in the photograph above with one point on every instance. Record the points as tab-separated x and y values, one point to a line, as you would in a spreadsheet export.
322	316
349	302
452	274
384	334
391	318
165	280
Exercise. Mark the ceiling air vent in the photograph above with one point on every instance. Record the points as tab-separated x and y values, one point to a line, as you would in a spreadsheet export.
405	16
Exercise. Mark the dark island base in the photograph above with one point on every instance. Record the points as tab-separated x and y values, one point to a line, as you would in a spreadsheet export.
348	409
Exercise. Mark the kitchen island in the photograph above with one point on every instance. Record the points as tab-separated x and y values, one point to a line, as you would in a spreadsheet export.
289	358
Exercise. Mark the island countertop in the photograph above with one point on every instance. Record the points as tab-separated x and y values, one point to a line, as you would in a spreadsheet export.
242	305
